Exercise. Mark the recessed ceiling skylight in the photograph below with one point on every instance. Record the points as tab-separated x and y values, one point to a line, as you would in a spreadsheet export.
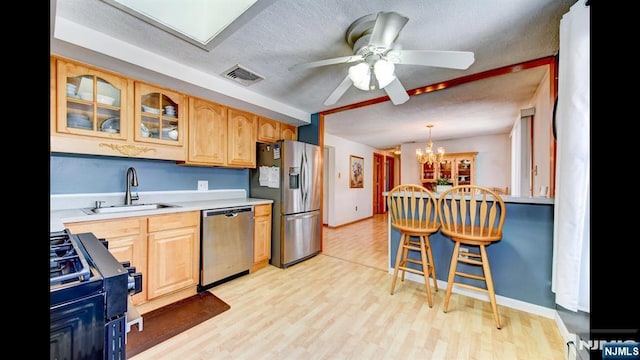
195	21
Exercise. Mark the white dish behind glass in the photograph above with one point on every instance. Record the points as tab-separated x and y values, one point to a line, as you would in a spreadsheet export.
151	110
144	130
86	96
104	99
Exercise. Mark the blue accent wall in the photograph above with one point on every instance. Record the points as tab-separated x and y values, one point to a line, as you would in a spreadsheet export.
75	174
310	133
520	263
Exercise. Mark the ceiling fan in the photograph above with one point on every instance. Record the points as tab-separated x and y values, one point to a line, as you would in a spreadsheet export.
372	38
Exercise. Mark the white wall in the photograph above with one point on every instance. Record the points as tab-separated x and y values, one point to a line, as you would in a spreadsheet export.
493	162
542	134
343	200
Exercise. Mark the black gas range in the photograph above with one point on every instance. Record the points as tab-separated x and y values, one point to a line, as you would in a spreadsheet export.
88	298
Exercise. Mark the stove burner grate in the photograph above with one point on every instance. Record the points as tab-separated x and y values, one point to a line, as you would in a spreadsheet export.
67	262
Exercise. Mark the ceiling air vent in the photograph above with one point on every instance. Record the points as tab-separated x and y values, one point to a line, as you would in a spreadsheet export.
242	75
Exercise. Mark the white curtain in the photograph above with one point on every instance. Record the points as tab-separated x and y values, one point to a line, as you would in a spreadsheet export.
570	280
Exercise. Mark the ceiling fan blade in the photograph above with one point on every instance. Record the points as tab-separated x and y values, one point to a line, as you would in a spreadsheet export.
338	60
397	93
386	29
339	91
446	59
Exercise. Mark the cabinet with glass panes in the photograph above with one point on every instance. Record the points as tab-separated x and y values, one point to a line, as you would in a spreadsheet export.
160	115
90	102
94	111
456	168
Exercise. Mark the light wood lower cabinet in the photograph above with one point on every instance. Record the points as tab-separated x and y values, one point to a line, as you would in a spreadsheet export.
127	242
163	248
261	236
173	252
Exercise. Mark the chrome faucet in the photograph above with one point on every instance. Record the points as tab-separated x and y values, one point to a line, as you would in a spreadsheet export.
132	180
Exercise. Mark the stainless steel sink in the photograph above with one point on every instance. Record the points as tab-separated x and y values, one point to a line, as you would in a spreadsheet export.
126	208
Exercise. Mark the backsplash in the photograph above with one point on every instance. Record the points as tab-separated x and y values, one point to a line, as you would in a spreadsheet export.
77	174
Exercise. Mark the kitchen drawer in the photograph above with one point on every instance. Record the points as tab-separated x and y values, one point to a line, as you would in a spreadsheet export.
173	221
262	210
108	228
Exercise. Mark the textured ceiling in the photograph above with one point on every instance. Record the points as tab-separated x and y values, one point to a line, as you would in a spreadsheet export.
277	34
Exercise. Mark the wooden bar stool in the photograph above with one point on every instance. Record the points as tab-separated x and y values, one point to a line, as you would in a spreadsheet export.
472	216
413	211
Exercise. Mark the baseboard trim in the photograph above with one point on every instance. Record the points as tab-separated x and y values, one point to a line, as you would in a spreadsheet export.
501	300
349	223
570	340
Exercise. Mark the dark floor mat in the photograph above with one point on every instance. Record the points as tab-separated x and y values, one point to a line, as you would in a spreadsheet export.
163	323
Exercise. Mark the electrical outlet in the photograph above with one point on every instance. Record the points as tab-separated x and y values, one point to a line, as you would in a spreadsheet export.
203	185
356	208
464	250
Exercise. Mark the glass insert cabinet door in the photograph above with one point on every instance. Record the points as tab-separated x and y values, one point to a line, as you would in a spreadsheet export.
447	171
464	172
429	172
159	115
90	102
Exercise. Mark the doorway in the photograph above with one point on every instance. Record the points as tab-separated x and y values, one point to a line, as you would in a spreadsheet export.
383	180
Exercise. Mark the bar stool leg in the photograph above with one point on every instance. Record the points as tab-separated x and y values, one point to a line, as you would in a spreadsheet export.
425	269
452	275
405	254
398	260
432	267
489	280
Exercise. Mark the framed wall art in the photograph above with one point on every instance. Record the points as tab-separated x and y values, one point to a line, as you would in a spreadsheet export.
356	171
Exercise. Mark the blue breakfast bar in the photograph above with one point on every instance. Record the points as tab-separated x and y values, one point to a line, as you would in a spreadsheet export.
520	263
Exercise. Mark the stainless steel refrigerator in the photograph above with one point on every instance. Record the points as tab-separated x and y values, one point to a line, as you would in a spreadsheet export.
288	172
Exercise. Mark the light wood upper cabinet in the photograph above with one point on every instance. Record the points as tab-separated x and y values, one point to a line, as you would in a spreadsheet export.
242	134
91	102
207	133
160	116
270	130
220	136
288	132
94	112
91	109
102	113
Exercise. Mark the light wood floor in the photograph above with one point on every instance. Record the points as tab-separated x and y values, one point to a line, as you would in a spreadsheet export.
337	305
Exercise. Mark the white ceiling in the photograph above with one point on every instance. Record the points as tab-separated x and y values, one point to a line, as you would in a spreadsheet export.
276	34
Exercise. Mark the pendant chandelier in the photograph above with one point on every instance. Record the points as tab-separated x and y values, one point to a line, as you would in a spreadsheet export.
428	155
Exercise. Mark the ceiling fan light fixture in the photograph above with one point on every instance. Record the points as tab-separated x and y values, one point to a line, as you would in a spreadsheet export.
372	38
384	71
360	74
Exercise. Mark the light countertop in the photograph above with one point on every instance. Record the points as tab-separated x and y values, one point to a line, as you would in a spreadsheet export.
512	199
67	208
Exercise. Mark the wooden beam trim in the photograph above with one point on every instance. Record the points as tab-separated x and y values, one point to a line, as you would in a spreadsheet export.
548	60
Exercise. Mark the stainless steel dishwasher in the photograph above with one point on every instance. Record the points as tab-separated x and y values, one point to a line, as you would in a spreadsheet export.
226	250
